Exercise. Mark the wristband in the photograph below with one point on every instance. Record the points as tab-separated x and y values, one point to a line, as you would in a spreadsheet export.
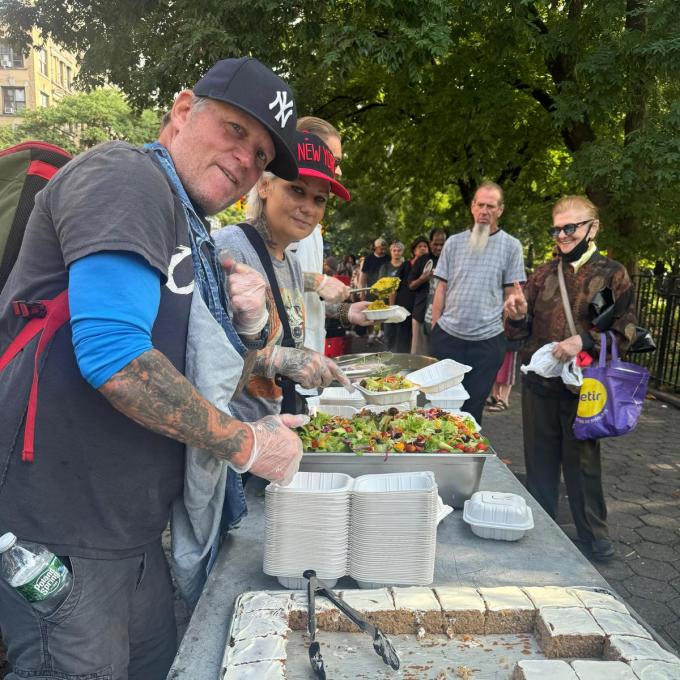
343	312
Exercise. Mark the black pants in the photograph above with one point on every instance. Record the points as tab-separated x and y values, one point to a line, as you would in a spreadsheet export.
549	444
485	357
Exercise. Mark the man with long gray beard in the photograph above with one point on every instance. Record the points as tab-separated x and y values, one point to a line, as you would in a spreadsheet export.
476	272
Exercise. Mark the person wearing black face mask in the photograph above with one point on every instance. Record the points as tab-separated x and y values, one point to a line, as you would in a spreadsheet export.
537	317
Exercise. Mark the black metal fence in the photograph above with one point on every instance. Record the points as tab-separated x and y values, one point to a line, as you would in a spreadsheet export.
658	308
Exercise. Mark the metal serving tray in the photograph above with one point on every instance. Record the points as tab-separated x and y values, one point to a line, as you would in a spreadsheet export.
457	474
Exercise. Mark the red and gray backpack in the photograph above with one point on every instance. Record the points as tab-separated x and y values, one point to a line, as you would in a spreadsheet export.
24	170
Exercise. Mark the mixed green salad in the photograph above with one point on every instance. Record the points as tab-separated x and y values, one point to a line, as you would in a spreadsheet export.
416	431
388	383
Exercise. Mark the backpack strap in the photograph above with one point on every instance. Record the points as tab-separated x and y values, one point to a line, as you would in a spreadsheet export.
46	317
288	404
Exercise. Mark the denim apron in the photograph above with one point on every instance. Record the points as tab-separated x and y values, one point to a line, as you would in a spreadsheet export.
213	492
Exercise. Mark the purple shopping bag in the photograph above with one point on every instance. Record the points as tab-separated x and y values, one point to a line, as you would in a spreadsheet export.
611	396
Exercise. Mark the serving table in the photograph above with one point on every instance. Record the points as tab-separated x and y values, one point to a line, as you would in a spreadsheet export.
545	556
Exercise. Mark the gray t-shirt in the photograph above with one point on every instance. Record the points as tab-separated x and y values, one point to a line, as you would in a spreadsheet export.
261	396
473	307
100	485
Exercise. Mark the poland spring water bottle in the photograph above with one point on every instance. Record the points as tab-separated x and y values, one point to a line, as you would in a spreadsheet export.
38	574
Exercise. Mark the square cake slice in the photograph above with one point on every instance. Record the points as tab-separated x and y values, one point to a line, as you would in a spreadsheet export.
270	648
463	609
617	623
541	669
656	670
593	598
633	648
260	624
258	601
327	615
568	632
552	596
375	605
508	610
258	670
417	607
601	670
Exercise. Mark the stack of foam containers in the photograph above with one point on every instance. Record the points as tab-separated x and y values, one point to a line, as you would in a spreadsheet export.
393	536
307	527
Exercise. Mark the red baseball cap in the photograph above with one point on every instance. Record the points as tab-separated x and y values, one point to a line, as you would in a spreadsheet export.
315	159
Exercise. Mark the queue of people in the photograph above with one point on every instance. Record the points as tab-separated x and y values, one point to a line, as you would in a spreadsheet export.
182	354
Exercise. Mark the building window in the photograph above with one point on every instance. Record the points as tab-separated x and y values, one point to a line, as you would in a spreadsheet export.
44	100
10	58
13	100
69	77
61	72
55	68
42	60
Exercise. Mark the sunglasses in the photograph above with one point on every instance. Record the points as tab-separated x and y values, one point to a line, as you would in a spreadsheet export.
568	229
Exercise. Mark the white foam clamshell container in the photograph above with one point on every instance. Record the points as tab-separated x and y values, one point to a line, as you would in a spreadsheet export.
453	397
388	398
389	483
496	515
381	314
340	396
326	482
440	376
332	409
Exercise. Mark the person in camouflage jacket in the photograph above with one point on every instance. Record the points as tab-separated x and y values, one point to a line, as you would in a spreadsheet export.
536	316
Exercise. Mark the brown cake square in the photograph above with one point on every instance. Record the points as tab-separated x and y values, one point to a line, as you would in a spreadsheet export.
417	607
327	615
464	610
508	610
568	632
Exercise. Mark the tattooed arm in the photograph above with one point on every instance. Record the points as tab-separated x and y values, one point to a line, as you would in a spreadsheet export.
153	393
304	366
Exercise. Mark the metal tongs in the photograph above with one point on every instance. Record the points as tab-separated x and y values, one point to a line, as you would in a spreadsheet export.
382	646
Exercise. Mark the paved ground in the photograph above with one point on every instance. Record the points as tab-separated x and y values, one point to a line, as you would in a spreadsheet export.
642	485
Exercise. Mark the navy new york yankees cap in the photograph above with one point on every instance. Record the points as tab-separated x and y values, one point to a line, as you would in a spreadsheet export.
249	85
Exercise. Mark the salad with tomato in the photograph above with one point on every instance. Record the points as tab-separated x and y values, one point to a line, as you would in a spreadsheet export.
387	383
416	431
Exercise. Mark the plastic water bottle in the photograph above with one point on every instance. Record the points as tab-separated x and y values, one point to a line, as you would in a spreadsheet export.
37	573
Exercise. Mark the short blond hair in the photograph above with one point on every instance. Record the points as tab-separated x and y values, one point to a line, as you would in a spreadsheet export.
575	201
317	126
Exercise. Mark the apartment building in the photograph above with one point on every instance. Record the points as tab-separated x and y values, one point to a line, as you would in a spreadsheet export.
39	79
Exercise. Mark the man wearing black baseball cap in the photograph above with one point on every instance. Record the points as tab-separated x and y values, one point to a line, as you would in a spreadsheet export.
118	242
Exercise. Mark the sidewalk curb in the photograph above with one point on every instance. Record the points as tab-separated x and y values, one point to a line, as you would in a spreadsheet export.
671	399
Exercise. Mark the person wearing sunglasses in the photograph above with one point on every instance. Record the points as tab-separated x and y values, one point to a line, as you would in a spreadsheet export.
537	317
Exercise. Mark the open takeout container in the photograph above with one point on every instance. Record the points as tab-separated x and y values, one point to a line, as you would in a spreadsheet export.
439	376
389	397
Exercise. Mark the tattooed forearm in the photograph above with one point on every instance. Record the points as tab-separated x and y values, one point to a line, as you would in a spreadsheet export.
333	310
312	281
261	361
151	391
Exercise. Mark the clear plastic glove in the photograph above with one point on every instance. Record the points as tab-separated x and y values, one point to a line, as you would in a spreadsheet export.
247	294
400	314
332	290
277	450
305	367
356	314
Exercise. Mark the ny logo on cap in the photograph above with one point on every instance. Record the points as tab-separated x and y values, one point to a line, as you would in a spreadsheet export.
282	102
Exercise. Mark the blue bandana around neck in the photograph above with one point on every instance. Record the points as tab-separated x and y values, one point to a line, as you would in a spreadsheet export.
207	269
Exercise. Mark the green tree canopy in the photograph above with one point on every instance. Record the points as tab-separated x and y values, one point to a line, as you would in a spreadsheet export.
77	122
432	97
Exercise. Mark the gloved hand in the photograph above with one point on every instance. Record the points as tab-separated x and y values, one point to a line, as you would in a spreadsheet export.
277	450
306	367
332	290
356	314
247	294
